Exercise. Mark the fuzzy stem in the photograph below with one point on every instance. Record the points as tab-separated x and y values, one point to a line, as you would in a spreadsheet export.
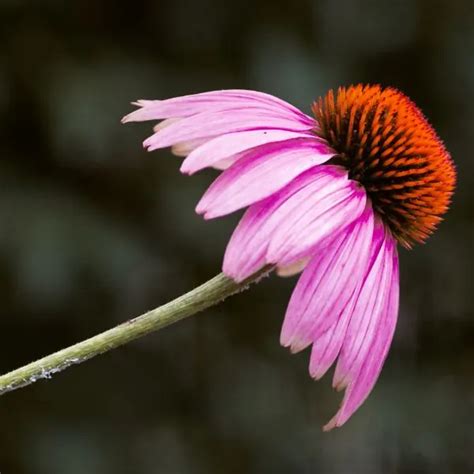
202	297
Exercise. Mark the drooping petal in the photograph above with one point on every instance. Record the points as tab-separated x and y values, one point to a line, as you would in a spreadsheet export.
227	145
327	346
327	343
368	309
188	105
327	285
377	345
246	250
311	221
216	123
259	173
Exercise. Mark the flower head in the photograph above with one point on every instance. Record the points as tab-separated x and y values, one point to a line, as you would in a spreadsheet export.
388	146
329	196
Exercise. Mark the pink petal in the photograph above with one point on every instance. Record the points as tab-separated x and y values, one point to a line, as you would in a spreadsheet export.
360	387
368	309
224	121
188	105
246	250
326	287
259	173
229	144
327	344
315	218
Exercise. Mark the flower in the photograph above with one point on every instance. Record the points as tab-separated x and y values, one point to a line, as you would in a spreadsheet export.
330	196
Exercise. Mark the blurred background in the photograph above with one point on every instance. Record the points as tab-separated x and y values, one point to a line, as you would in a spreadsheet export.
94	231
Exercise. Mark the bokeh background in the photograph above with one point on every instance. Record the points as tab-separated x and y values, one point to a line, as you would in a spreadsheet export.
94	231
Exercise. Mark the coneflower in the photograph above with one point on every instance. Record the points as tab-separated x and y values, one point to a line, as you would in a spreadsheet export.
330	196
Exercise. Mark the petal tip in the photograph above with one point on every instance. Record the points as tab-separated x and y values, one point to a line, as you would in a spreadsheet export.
200	212
330	425
185	168
148	142
339	384
285	336
317	374
200	208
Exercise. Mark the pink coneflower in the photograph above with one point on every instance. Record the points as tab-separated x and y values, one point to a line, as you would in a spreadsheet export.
330	195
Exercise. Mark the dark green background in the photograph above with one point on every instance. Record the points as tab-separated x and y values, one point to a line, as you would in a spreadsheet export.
94	231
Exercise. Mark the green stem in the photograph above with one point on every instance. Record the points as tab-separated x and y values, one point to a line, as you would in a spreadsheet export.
210	293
